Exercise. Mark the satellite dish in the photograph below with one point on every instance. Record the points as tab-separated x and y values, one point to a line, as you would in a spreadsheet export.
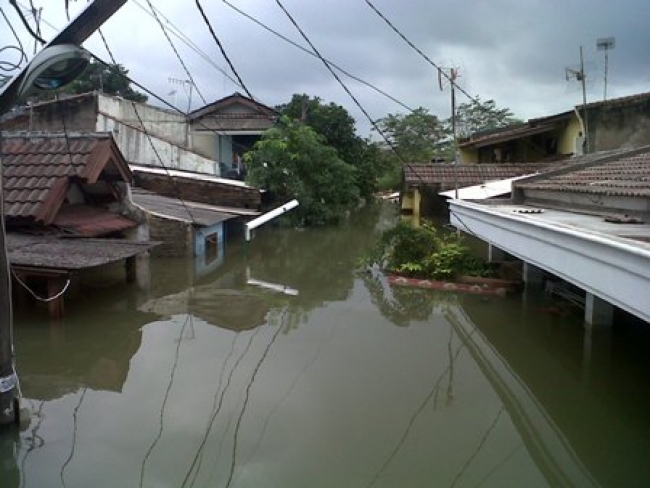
54	67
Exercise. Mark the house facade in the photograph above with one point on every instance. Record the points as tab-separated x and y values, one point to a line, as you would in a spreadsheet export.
210	140
228	128
598	126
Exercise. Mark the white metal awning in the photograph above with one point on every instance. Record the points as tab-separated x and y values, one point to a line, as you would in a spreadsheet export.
484	191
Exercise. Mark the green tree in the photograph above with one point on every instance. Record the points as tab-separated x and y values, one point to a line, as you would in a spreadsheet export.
337	127
477	116
293	161
415	137
112	80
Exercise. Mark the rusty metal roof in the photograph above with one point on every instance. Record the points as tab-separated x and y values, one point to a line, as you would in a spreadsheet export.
38	169
443	176
618	174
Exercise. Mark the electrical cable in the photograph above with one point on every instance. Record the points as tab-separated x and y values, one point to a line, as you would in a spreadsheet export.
419	51
178	56
311	53
188	42
11	66
390	144
221	48
25	23
146	132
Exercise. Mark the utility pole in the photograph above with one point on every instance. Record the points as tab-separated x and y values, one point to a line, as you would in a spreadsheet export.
453	75
58	63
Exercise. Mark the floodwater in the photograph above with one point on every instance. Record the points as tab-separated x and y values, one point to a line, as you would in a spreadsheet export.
289	367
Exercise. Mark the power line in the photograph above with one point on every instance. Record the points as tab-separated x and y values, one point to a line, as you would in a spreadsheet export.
419	51
187	41
146	132
347	90
25	23
311	53
221	48
178	56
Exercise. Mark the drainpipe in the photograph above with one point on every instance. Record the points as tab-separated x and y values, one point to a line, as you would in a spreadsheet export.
263	219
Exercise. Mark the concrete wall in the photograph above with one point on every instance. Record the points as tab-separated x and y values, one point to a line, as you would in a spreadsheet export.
164	139
164	124
625	124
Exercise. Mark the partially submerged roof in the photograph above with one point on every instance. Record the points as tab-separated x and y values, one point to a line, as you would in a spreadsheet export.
173	208
484	191
236	113
445	176
69	254
39	169
617	173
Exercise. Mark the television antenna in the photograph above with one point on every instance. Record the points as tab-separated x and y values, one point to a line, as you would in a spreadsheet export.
579	75
606	44
185	84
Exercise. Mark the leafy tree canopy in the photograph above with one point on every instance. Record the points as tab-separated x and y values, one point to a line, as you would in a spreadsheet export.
111	80
476	116
337	127
414	136
293	161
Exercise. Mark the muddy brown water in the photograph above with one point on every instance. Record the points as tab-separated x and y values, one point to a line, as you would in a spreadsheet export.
288	366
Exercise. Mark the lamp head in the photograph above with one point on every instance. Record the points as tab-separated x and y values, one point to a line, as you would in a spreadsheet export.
54	67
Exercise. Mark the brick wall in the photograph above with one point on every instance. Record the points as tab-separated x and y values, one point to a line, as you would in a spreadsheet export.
77	113
208	192
176	237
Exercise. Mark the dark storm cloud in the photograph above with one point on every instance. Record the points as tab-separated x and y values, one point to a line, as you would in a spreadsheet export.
514	51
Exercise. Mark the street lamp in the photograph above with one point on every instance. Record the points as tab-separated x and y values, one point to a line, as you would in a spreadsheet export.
60	62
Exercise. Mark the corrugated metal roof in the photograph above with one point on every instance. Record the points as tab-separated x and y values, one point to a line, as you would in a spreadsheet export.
616	174
38	169
173	208
444	176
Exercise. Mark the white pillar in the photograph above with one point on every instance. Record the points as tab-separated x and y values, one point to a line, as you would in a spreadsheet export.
532	275
598	312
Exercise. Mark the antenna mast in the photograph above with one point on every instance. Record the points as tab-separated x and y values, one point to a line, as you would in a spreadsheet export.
580	76
606	44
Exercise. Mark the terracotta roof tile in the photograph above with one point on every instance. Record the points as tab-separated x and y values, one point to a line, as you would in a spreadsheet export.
37	168
623	174
443	176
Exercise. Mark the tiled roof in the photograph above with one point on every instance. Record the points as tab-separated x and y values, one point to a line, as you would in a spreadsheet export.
212	109
39	168
620	174
82	220
443	176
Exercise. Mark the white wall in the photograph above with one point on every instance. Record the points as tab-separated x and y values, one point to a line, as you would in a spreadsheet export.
161	145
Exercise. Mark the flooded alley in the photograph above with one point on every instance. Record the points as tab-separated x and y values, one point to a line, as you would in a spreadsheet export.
291	366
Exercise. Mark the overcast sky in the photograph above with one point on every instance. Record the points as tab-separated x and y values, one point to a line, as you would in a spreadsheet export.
512	51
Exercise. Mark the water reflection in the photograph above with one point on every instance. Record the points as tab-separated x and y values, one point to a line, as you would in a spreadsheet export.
212	381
